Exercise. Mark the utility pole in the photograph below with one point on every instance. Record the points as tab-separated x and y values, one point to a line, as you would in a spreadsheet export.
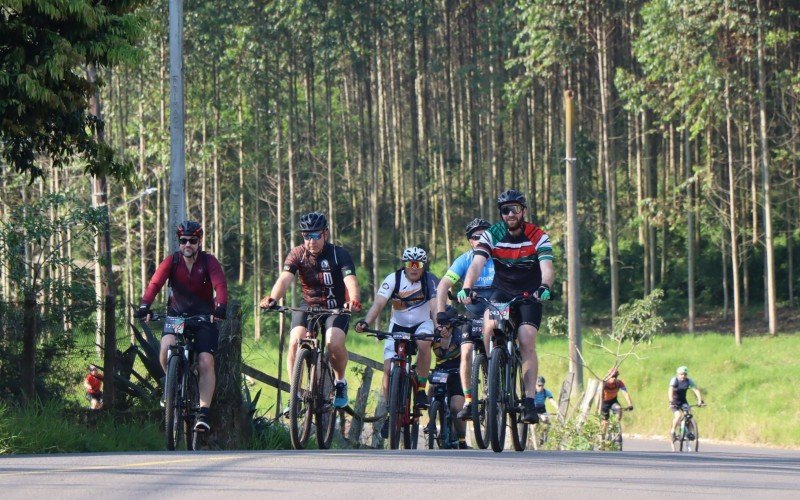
573	253
177	159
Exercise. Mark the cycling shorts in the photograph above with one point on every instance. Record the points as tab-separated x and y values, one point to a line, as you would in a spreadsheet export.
605	408
388	344
340	321
527	313
678	406
205	336
454	387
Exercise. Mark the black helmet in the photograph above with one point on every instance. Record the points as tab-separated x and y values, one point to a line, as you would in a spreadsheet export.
313	221
510	196
539	380
476	224
190	228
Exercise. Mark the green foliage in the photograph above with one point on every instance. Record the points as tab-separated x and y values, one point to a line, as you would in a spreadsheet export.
45	89
574	435
638	322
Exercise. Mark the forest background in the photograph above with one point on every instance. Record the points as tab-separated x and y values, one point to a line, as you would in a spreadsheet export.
402	120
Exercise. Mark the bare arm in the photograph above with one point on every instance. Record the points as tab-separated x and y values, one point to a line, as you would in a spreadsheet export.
377	306
441	293
697	393
671	394
279	288
351	283
474	271
548	272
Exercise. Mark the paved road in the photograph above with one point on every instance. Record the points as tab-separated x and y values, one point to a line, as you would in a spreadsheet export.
359	474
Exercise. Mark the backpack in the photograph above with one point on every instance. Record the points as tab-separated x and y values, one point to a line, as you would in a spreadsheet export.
425	278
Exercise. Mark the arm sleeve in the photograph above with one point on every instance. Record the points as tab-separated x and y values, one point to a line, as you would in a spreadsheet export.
218	280
291	264
346	260
387	287
544	249
432	285
157	281
673	382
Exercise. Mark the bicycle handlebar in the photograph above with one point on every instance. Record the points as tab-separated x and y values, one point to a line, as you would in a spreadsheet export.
160	317
379	334
310	310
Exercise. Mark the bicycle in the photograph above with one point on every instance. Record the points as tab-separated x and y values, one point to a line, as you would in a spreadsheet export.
440	430
181	388
505	378
312	384
613	434
403	416
688	439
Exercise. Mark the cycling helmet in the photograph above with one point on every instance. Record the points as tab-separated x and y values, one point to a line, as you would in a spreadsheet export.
510	196
682	369
539	380
613	373
190	228
313	221
414	253
476	224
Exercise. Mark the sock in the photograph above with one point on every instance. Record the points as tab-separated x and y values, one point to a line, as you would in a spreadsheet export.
343	381
467	396
423	383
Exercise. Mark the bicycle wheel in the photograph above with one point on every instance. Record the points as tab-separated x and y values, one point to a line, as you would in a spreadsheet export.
192	404
478	383
396	405
301	399
172	413
618	435
519	429
496	407
326	413
434	428
693	444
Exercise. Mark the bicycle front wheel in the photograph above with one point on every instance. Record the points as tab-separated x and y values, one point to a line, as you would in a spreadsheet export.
478	382
173	427
693	444
519	429
397	382
192	404
326	413
434	427
301	399
496	407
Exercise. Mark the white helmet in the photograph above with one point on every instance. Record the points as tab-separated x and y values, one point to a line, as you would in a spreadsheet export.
414	253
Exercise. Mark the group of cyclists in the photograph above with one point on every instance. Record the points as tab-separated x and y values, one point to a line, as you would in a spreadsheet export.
510	258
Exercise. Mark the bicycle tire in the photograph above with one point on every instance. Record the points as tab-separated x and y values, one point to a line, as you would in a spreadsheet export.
396	382
618	436
519	429
496	416
434	429
192	402
694	444
301	399
326	413
171	404
478	384
413	435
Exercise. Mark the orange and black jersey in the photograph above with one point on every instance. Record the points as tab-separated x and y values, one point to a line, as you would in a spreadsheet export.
516	258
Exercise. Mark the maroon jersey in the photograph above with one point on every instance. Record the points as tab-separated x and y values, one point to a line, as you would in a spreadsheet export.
321	276
192	291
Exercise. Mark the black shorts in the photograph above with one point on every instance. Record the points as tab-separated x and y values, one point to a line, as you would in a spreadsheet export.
453	384
678	406
204	334
605	408
341	321
98	396
527	313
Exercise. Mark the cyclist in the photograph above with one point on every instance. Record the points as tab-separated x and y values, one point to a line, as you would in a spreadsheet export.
678	387
611	387
198	286
412	290
523	265
93	383
541	398
456	273
448	353
328	278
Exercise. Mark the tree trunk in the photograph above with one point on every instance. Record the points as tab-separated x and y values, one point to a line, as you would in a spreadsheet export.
732	215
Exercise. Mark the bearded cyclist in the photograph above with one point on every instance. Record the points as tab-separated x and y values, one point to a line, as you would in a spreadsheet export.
198	287
523	265
456	273
678	387
328	278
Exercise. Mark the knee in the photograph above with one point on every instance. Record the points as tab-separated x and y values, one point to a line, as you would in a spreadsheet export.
206	362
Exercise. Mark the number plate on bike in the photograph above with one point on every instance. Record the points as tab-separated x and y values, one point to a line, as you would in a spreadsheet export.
502	310
174	324
439	377
401	336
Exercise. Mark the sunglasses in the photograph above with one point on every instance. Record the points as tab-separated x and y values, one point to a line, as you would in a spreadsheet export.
312	236
184	241
415	264
475	237
511	209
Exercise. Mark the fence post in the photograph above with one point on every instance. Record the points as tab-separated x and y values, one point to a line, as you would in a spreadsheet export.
356	423
564	396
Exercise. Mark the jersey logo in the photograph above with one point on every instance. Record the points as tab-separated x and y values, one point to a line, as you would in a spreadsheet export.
287	268
325	265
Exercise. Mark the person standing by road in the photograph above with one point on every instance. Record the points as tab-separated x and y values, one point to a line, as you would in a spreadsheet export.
93	383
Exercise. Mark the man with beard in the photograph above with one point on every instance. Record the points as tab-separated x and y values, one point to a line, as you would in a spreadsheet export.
523	266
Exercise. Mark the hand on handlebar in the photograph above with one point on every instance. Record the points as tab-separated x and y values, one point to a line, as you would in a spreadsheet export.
268	303
465	296
543	293
353	306
361	325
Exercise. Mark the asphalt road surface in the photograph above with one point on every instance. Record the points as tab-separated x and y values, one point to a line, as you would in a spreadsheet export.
641	471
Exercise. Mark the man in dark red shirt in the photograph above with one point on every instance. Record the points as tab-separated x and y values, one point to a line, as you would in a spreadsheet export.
194	277
328	278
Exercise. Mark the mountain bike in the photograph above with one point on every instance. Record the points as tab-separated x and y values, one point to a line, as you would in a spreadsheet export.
312	384
613	434
403	415
688	438
505	383
440	431
181	389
